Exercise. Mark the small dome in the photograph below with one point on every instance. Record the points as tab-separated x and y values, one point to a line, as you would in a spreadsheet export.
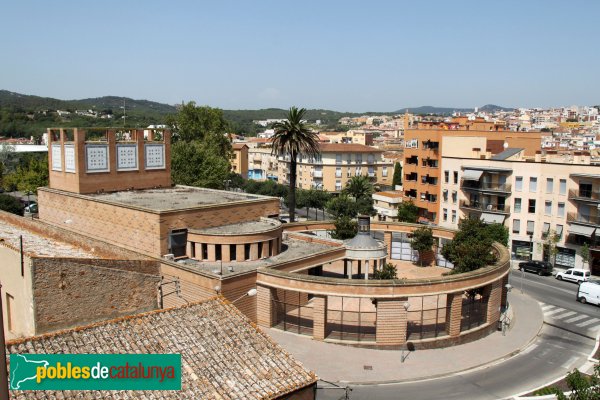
363	246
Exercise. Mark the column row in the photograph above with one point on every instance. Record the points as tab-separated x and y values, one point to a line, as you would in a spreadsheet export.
233	252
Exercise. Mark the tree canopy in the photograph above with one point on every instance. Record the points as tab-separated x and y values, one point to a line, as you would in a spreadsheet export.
359	187
408	212
388	271
345	228
397	179
471	247
422	241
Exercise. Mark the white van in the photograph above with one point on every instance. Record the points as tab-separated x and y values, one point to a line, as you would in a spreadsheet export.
589	292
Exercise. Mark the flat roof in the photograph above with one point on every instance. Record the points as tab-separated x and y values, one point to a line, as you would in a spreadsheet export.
174	198
37	244
240	228
294	249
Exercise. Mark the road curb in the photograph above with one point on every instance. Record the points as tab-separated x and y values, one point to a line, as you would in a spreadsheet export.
457	372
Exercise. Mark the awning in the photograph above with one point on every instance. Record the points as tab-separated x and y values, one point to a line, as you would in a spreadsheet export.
490	218
582	230
472	175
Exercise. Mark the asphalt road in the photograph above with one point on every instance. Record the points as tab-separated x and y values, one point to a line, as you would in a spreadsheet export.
555	352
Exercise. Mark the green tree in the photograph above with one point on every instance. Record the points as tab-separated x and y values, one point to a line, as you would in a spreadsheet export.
342	206
422	241
582	387
584	252
397	179
293	138
550	245
10	204
201	151
345	228
388	271
498	233
359	187
471	247
198	164
28	177
408	212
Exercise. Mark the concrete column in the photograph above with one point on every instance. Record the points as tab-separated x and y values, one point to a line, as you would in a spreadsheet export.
254	251
265	250
239	252
453	313
212	252
264	306
198	251
350	269
367	270
319	317
494	299
225	253
273	245
188	249
392	320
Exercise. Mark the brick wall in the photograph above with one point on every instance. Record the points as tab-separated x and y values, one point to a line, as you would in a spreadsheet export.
493	301
319	317
194	286
264	313
236	287
453	313
67	293
391	322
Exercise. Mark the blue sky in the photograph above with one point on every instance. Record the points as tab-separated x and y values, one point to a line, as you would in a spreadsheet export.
341	55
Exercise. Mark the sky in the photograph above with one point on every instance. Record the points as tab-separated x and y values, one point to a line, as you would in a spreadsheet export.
347	55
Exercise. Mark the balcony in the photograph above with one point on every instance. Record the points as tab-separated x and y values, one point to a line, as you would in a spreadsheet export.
586	219
414	160
317	174
411	177
493	208
584	195
485	186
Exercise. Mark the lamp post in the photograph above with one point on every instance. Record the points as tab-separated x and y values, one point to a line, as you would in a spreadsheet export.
251	293
531	246
406	306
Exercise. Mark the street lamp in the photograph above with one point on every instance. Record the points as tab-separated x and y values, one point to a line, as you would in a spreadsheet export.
251	293
531	246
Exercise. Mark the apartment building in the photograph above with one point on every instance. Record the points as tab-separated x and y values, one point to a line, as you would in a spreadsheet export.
357	136
386	205
335	165
262	164
423	146
239	160
532	197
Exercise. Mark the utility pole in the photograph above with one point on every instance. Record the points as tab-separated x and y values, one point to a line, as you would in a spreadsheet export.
3	369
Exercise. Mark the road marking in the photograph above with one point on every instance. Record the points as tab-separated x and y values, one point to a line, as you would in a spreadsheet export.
554	311
577	318
589	322
530	348
567	314
547	307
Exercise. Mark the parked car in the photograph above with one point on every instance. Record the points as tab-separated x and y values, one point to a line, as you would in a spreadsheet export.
539	267
574	275
589	292
32	208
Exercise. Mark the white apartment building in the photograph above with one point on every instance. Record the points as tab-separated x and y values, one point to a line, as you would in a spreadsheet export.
532	198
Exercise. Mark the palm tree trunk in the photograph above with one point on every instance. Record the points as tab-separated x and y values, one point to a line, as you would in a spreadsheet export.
292	195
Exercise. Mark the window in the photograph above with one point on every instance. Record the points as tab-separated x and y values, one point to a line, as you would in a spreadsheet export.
453	216
454	196
384	171
446	176
517	205
531	208
338	185
549	185
445	195
548	208
455	173
359	158
338	158
338	172
349	172
516	226
370	158
530	226
559	231
349	159
561	209
358	171
563	186
545	229
533	184
518	183
178	242
445	214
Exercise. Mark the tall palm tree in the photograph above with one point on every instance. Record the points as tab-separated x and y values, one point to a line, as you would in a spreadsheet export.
292	137
359	187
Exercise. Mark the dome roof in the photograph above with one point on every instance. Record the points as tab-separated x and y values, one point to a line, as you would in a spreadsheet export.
363	246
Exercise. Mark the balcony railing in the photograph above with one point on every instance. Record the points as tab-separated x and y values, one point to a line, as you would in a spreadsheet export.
583	218
584	195
371	174
494	208
318	174
486	186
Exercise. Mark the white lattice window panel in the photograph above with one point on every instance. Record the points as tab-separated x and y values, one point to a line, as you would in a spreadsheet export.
56	157
127	157
69	158
96	157
155	156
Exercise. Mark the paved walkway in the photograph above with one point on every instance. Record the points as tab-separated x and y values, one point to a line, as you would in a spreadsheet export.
338	363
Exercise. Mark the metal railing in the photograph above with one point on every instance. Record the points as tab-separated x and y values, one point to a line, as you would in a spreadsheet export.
584	194
505	187
583	218
502	208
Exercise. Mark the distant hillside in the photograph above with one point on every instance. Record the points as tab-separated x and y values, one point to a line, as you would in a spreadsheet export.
424	110
36	103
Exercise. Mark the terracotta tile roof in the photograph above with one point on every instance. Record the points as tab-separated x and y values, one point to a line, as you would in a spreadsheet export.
392	194
347	148
238	146
224	356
